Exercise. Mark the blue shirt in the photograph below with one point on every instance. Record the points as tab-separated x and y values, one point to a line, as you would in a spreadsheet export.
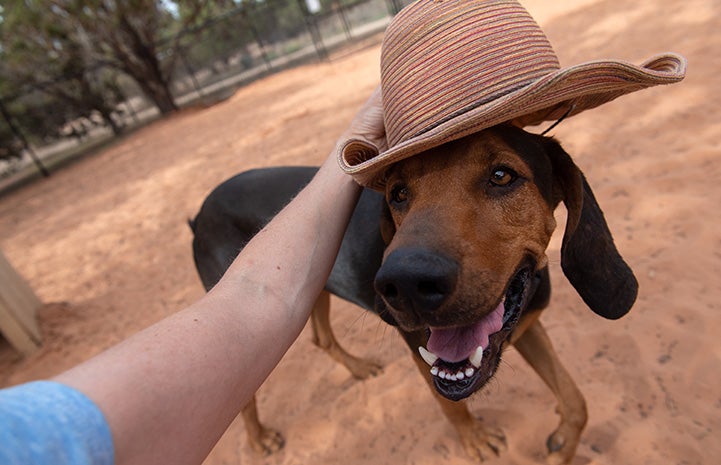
44	422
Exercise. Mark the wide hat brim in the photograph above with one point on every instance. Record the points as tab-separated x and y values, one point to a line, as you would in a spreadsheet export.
452	68
567	92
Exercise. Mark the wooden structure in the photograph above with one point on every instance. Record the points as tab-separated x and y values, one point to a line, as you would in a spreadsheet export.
18	306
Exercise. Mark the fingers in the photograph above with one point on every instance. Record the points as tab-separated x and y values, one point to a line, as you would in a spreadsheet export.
368	122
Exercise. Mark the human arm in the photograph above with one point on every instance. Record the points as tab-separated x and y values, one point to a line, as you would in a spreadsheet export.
169	392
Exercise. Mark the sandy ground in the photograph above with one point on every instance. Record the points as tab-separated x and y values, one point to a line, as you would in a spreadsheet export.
105	244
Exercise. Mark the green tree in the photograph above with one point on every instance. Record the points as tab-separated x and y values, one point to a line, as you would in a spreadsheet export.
40	54
25	64
125	35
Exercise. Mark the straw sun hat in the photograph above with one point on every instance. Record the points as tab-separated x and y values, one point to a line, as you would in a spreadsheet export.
450	68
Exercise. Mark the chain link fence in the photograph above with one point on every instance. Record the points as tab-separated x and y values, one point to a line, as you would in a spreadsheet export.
213	60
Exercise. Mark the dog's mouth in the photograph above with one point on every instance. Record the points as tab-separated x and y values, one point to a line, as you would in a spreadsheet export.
463	359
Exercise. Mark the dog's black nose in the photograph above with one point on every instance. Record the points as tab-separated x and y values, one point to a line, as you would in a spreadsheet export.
417	280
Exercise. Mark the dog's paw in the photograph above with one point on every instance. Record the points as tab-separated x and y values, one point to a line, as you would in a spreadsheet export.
482	443
561	445
363	369
358	367
269	442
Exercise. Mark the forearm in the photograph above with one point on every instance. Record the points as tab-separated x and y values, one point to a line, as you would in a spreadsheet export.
293	272
170	391
281	281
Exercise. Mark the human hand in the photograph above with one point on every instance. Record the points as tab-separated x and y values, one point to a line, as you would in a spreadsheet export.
367	125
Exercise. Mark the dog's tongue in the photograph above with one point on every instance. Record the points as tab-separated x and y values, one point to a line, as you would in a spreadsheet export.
457	344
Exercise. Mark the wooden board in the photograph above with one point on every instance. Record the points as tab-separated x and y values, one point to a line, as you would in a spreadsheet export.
18	307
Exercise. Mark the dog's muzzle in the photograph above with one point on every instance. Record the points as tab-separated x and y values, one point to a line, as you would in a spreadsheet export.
459	371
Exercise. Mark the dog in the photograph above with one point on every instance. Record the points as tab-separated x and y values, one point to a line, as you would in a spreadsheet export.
453	254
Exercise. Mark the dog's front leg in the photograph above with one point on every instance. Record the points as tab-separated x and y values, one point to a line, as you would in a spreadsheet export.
324	338
263	440
535	347
479	441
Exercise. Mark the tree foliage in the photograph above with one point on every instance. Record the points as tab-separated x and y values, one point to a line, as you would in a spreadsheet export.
126	35
45	79
73	37
61	60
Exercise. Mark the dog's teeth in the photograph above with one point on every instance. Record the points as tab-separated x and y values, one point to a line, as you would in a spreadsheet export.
443	374
477	357
427	356
430	358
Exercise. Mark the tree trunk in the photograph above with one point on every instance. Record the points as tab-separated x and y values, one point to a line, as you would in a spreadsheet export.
143	65
160	94
108	118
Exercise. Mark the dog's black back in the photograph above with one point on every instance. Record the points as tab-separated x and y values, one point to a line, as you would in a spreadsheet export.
239	208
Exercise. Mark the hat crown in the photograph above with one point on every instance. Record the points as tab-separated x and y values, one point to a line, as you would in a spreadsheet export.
442	58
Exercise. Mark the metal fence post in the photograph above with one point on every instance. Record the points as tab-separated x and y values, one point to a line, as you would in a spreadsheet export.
315	35
256	35
394	6
191	73
340	8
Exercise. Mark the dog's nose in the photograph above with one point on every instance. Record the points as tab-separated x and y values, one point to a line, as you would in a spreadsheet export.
417	280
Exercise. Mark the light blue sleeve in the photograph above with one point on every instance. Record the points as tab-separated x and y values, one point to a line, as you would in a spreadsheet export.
44	422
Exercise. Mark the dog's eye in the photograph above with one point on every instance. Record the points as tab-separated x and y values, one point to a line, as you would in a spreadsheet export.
502	176
399	194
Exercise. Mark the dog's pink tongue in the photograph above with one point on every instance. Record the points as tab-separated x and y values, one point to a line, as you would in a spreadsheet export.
457	344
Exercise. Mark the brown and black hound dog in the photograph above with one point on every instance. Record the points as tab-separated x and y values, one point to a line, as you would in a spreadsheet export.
453	255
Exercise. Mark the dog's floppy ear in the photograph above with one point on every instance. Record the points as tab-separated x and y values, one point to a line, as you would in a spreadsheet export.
589	258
